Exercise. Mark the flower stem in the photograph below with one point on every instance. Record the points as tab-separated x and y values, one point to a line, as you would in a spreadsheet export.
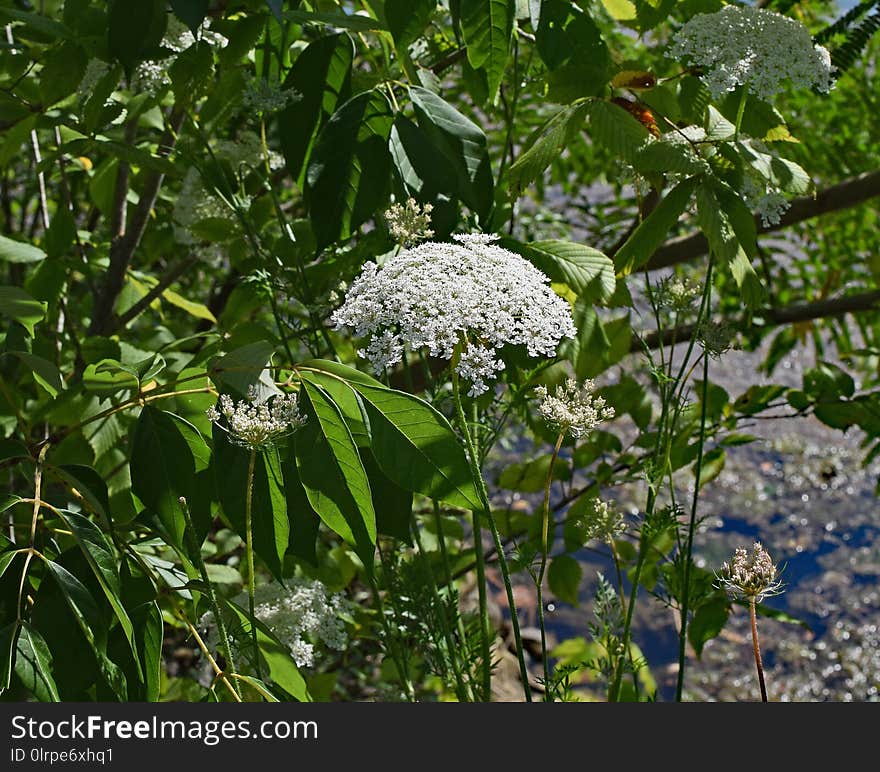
757	648
249	549
477	474
545	549
741	109
196	554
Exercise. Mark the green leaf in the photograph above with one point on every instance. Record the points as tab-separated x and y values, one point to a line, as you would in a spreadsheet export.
33	664
282	669
828	381
655	228
108	377
351	21
191	12
41	24
346	400
757	398
13	251
342	371
530	476
191	72
415	446
8	641
197	310
462	146
707	623
392	503
564	578
6	559
661	156
487	26
304	521
102	560
713	463
333	474
322	77
407	19
244	367
63	69
43	371
588	272
348	176
166	454
269	520
149	633
18	305
614	128
716	226
61	233
415	160
545	144
135	29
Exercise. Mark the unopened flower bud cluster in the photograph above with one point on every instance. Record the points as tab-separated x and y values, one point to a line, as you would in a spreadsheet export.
264	96
752	47
605	522
471	294
409	223
750	574
255	425
572	409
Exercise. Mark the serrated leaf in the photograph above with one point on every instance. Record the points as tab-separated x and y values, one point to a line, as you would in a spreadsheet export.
655	228
333	475
662	156
614	128
588	272
545	144
348	176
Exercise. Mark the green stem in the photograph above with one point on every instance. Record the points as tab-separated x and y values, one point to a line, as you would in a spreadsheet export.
249	550
477	474
741	109
685	600
196	554
539	584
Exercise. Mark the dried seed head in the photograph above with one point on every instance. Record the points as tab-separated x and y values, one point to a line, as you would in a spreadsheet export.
750	574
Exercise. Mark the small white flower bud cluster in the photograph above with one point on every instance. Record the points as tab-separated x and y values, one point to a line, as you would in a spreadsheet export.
247	150
192	205
764	199
573	409
716	338
300	615
753	47
677	294
473	294
263	96
253	425
409	223
750	574
604	522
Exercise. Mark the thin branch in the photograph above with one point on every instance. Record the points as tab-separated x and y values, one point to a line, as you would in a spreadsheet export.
122	249
844	195
167	279
120	191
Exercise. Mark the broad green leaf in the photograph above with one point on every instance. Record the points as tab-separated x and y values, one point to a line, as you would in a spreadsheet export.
415	160
828	381
487	26
149	632
244	367
197	310
664	156
108	377
346	400
349	172
462	146
415	446
282	668
191	72
191	12
102	560
164	467
757	398
342	371
614	128
333	474
269	520
588	272
61	233
63	69
41	24
392	503
33	664
135	29
713	463
407	19
655	228
258	686
43	371
545	144
304	521
18	305
6	559
321	76
564	578
352	21
716	226
707	623
530	476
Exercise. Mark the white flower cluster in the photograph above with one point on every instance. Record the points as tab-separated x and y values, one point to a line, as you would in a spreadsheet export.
438	296
573	409
253	425
753	47
677	294
300	615
409	223
263	96
95	70
192	205
750	574
764	199
247	150
604	522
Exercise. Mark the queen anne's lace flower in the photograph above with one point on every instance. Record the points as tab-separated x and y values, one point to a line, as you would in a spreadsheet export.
573	409
604	522
192	205
439	295
264	96
750	574
300	615
253	425
409	223
753	47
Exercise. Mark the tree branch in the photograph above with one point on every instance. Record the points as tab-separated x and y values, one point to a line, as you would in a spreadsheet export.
774	317
170	276
123	247
848	193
